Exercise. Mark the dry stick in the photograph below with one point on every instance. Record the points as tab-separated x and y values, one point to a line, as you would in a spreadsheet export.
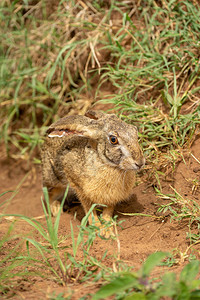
188	248
13	218
139	214
34	7
136	41
115	269
156	231
195	158
95	57
92	48
118	241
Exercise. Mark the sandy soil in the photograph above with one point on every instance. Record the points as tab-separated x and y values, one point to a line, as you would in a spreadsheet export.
139	236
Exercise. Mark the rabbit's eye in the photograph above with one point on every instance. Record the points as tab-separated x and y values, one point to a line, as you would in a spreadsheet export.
113	139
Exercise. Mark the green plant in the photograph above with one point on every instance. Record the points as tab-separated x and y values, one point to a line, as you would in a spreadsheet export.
179	207
64	268
143	59
140	286
11	265
21	264
39	70
142	63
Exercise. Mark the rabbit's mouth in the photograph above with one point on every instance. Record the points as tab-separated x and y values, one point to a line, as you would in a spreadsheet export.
134	165
140	164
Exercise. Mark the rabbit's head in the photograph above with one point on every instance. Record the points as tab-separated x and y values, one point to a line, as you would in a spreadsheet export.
118	142
115	141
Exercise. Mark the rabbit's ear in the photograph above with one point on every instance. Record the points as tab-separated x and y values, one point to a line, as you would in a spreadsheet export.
56	133
83	131
75	125
95	115
62	132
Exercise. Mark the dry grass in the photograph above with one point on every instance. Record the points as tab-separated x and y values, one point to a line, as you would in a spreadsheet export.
142	57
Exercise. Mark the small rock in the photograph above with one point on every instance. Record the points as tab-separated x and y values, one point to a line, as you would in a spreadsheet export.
196	169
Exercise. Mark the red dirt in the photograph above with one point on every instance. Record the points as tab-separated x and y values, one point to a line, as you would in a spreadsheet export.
138	237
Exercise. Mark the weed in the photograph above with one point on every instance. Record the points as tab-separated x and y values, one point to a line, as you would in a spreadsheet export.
179	207
140	286
65	269
143	63
15	265
194	237
10	264
146	57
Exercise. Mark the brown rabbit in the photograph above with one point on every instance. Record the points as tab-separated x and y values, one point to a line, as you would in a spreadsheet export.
97	155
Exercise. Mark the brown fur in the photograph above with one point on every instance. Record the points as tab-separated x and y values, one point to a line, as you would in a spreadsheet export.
78	150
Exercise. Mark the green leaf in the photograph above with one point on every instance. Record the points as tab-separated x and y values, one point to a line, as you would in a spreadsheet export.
190	271
136	296
195	295
118	285
57	221
184	293
152	261
195	284
168	287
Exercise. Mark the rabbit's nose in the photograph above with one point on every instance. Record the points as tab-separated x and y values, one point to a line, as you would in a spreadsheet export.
140	163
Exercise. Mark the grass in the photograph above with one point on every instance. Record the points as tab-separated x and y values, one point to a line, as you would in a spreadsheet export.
141	58
179	206
150	61
48	261
138	285
182	209
45	254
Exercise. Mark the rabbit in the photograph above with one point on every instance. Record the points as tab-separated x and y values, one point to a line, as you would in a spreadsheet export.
97	155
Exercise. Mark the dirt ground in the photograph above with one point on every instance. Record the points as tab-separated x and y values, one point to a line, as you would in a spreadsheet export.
139	236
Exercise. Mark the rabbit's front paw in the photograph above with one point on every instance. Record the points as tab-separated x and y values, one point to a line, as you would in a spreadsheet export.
103	230
106	232
55	208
